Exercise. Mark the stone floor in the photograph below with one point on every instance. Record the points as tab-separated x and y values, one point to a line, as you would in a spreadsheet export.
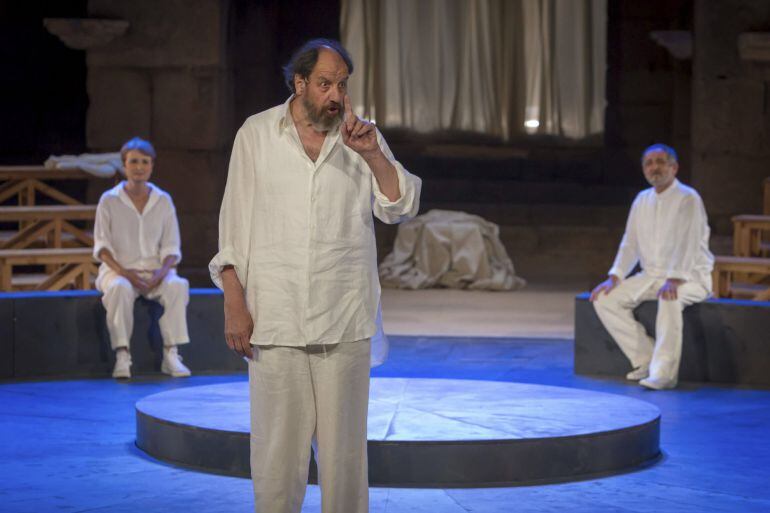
68	445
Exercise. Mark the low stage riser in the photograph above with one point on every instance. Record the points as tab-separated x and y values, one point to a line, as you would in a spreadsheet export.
724	341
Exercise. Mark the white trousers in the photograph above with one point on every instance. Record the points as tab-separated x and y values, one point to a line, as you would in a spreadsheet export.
118	299
315	396
663	354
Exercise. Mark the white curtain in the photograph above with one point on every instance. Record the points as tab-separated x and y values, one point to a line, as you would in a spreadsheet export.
484	66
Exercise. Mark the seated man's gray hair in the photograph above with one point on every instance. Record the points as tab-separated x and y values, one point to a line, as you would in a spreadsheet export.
664	148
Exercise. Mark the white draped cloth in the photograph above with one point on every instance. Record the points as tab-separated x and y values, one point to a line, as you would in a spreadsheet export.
103	165
449	249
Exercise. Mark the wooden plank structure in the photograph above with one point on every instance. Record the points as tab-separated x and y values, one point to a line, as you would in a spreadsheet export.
747	235
26	181
48	222
72	267
757	269
48	225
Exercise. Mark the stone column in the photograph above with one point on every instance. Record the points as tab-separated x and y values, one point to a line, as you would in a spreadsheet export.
730	111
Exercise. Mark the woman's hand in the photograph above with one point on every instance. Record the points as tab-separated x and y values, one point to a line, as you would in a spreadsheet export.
136	280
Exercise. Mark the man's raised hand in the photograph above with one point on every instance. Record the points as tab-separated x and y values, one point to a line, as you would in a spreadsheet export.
357	134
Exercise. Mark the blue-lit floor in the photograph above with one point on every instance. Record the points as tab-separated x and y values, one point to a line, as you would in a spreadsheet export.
68	445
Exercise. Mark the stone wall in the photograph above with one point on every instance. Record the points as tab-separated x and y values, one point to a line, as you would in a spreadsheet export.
168	80
730	110
648	90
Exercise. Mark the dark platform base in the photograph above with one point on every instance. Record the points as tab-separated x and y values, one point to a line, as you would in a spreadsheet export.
64	334
429	432
724	340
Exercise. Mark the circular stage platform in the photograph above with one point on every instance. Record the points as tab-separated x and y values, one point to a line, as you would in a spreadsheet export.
429	432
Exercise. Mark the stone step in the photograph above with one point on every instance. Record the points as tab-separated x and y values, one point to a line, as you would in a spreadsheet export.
448	189
541	214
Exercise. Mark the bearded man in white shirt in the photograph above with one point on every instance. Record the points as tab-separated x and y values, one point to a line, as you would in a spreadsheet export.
136	237
667	234
297	264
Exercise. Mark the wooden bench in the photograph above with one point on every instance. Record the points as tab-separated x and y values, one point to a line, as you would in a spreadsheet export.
50	222
747	235
758	269
72	267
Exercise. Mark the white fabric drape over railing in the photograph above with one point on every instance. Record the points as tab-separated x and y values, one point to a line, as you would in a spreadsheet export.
483	66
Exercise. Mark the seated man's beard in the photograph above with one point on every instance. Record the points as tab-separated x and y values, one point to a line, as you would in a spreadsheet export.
321	118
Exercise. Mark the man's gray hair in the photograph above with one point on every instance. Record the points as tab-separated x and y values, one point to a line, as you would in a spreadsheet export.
304	59
668	150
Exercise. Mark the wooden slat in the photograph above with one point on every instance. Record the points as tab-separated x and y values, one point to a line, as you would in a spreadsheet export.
41	173
80	235
46	256
55	193
11	189
28	235
37	213
742	264
65	275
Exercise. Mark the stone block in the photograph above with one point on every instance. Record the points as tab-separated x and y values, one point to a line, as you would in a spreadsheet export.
643	124
120	107
645	85
638	50
717	27
172	33
189	109
195	180
200	235
728	115
6	336
729	184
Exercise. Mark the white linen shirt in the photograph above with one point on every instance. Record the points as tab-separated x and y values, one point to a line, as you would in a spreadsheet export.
668	235
300	234
136	241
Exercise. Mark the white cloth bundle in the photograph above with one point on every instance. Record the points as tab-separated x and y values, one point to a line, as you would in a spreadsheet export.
449	249
103	165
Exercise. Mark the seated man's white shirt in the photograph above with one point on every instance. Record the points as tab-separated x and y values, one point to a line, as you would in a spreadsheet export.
300	234
136	241
668	235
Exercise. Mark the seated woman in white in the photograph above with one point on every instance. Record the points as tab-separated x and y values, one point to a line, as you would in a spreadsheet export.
136	237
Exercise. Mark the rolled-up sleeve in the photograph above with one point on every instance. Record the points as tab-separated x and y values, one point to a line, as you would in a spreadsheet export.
102	230
235	213
409	186
170	241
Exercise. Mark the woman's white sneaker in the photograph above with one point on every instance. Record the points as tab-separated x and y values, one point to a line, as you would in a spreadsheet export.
172	363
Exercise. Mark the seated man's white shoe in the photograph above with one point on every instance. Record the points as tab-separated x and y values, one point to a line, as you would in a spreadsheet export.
122	368
638	373
657	383
172	363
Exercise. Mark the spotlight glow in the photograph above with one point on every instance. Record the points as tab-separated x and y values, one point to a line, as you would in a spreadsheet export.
532	123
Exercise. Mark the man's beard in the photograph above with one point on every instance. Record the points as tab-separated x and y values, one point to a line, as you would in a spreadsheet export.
659	179
320	118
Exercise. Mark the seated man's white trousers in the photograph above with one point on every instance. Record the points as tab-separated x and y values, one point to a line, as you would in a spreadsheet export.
118	298
664	354
300	397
